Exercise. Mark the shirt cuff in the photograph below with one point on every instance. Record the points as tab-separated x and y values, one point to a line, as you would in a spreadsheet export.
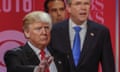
36	69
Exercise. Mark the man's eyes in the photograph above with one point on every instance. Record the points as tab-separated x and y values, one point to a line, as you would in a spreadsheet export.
54	10
79	3
62	9
41	28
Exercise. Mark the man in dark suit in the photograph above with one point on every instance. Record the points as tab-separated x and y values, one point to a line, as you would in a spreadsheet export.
56	9
95	46
34	56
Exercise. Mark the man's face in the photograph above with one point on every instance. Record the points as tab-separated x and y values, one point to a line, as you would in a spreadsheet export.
79	10
57	10
38	34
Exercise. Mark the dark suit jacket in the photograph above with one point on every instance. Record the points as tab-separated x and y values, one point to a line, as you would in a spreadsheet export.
23	59
97	47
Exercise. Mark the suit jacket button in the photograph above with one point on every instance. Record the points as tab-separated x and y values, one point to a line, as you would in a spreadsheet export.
68	56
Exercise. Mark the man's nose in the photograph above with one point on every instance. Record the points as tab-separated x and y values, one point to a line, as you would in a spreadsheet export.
83	7
58	12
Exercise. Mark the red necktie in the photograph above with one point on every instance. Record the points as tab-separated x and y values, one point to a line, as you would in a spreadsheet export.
42	53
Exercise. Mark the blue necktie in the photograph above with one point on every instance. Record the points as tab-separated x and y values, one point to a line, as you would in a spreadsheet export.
76	45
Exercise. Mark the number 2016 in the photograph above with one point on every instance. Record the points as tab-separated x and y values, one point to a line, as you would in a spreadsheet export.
7	5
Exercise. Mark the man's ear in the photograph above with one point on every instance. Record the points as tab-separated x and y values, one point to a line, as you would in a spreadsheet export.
27	33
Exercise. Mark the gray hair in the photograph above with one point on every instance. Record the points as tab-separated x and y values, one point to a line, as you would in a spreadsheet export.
36	16
69	2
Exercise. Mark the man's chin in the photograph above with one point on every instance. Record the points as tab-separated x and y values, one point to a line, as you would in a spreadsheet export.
44	43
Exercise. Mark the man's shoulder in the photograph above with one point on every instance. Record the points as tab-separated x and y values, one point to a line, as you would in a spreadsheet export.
15	51
56	53
96	25
60	24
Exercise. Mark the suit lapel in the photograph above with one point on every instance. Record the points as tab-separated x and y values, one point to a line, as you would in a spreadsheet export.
88	43
67	44
57	59
31	56
66	37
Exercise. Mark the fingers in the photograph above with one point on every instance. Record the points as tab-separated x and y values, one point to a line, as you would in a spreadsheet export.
50	59
42	66
39	68
45	63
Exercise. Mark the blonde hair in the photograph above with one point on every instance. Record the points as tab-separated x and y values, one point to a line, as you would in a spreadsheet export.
36	16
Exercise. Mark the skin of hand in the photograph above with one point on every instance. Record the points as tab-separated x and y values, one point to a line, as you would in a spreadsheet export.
45	63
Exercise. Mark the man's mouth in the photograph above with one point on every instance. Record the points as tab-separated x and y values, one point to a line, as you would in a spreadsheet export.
83	13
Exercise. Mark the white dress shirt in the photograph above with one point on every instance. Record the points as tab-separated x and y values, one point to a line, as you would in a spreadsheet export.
52	66
82	32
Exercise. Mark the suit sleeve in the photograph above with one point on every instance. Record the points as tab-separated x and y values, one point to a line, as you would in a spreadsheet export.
13	61
107	62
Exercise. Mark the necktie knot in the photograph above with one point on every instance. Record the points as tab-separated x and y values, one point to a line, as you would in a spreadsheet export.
77	29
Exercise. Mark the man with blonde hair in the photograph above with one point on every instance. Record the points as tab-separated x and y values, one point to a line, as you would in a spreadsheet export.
34	56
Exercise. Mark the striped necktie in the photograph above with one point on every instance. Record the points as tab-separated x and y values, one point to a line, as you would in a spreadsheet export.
42	53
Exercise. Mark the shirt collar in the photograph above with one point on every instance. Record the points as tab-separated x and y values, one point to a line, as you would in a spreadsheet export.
35	49
83	25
